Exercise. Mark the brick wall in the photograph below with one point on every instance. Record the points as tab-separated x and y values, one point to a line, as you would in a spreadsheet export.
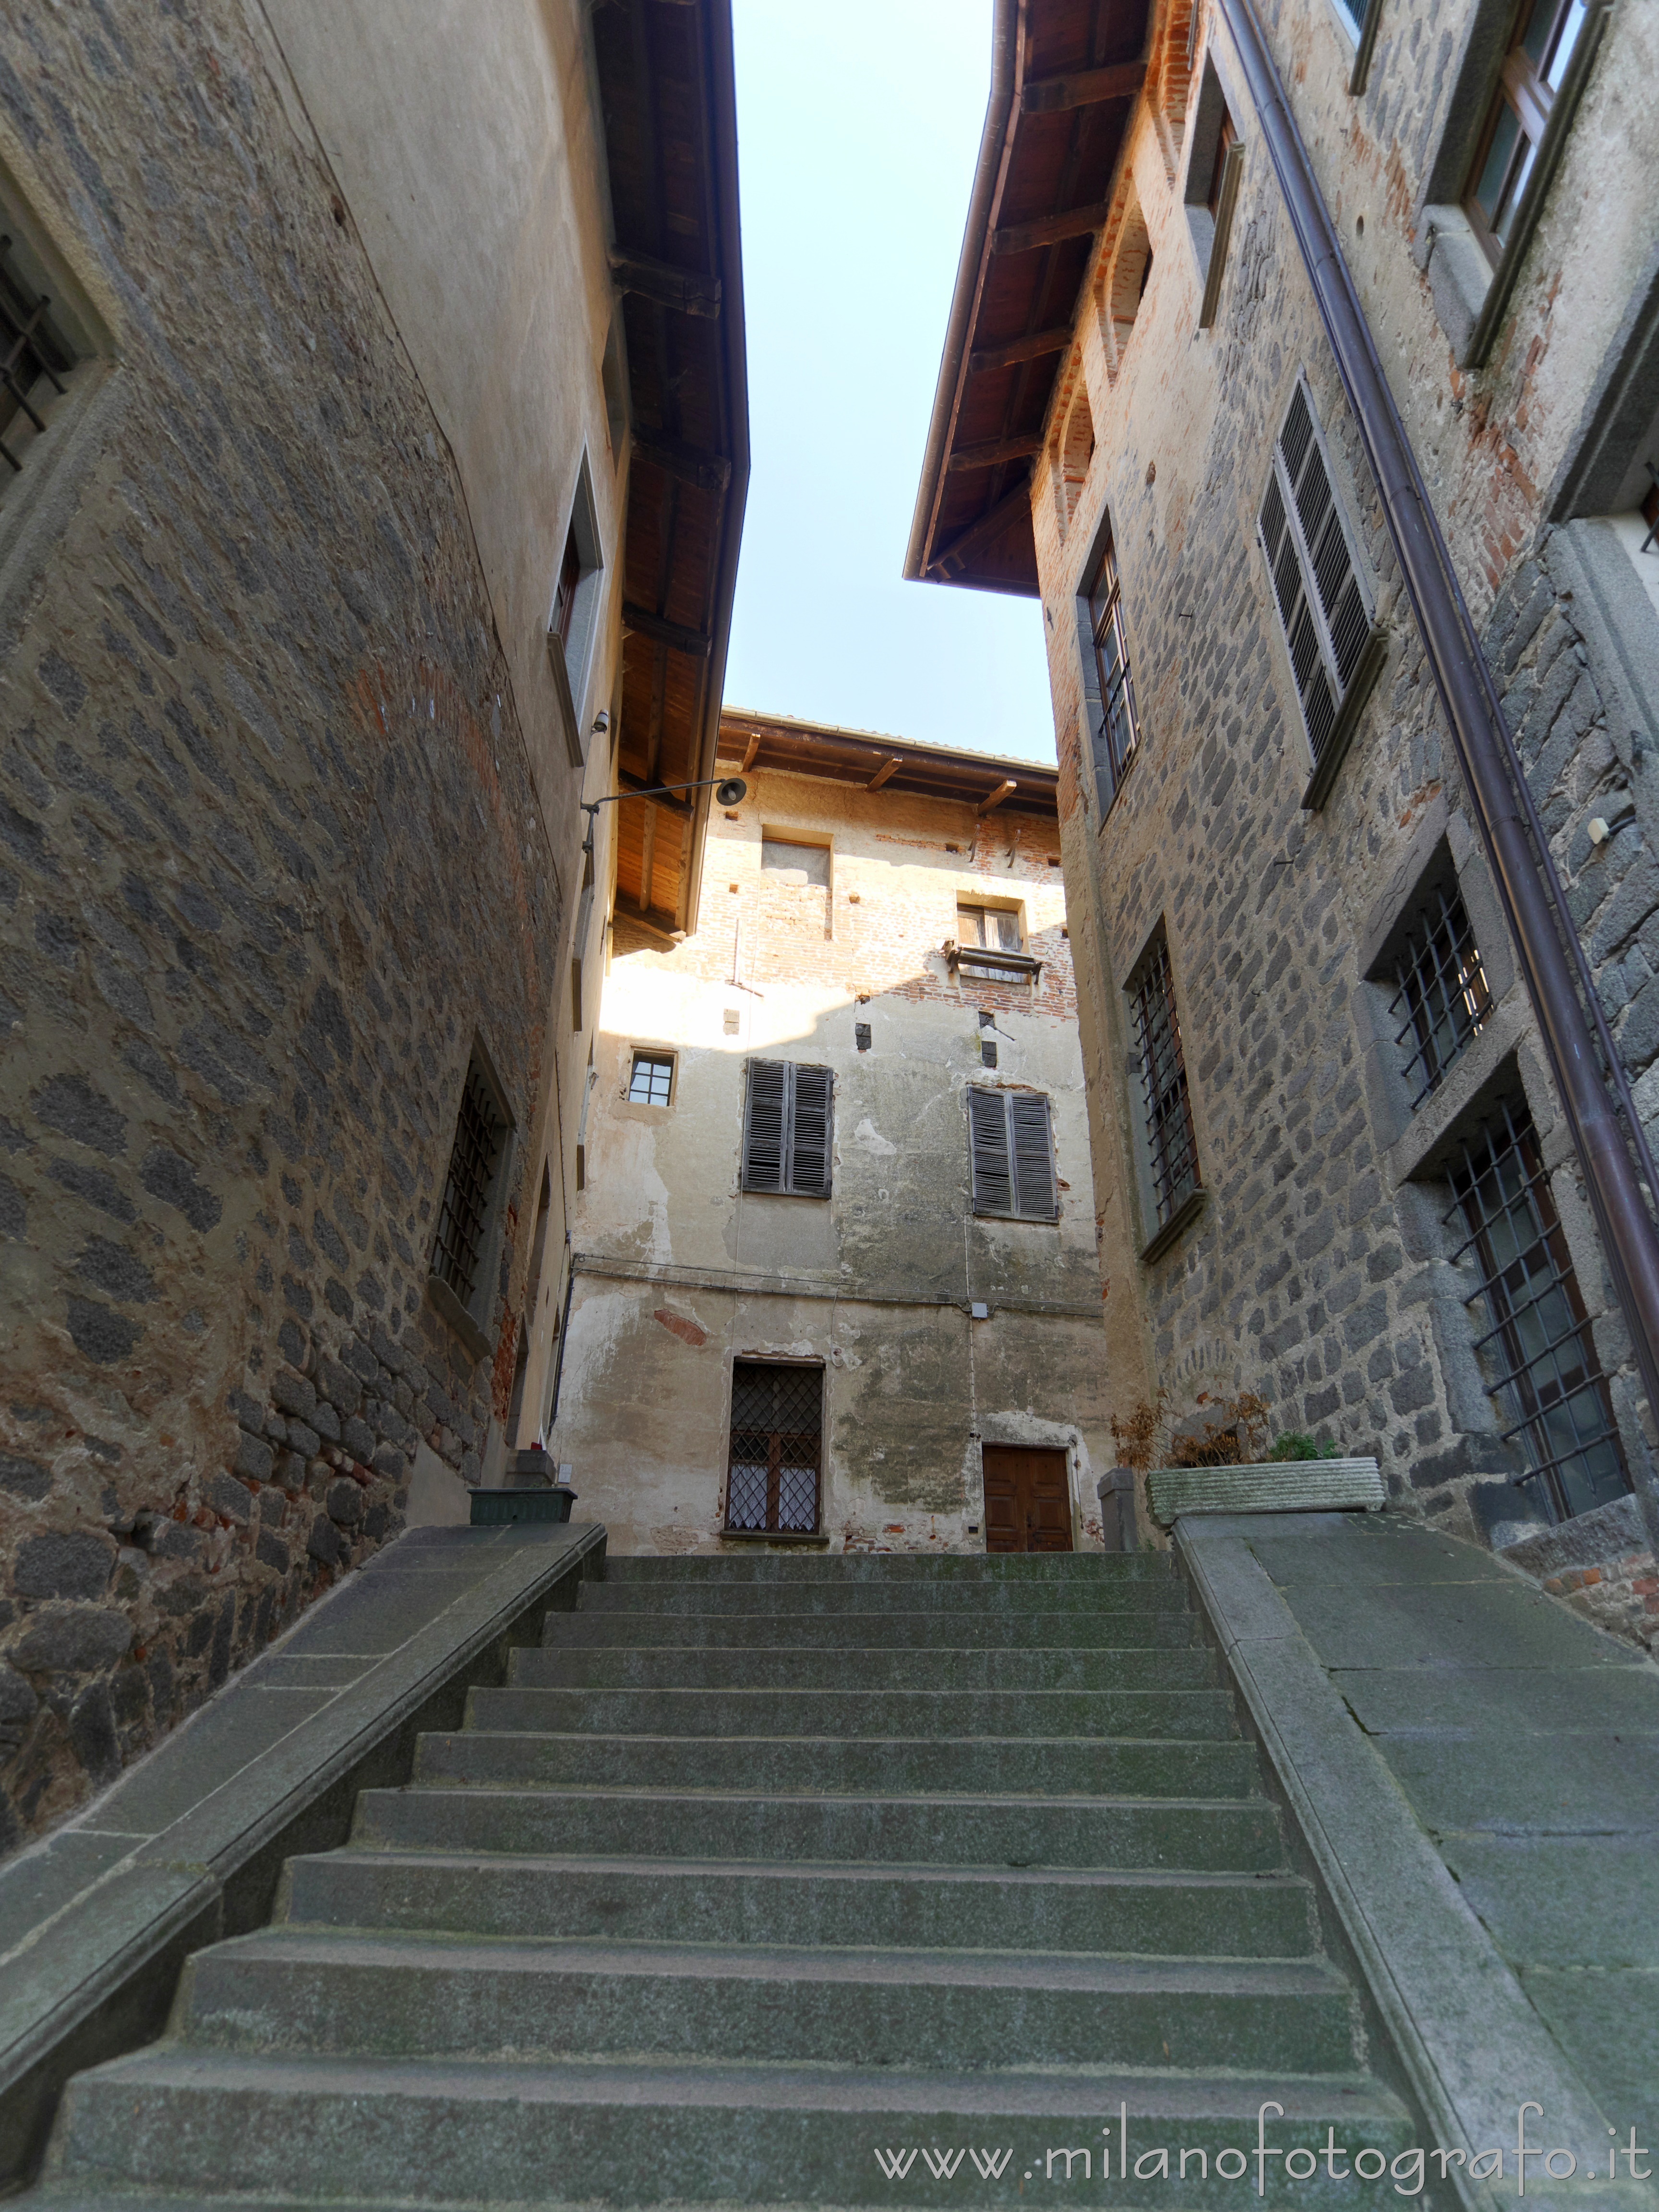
269	849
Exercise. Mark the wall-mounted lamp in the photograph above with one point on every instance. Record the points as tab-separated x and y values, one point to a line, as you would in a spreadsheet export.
603	723
729	790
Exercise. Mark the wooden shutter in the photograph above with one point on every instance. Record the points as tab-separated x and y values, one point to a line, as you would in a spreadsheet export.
810	1132
788	1130
764	1124
987	1145
1033	1156
1321	606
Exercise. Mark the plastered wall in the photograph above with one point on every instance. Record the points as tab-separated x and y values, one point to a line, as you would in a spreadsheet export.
678	1271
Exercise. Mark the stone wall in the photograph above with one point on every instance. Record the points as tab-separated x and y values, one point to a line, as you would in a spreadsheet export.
1320	1268
270	852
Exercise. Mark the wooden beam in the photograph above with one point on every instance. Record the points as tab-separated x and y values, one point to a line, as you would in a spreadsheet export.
1006	789
644	623
1031	346
1049	229
888	768
962	548
690	463
654	924
997	450
749	751
1047	96
683	289
637	788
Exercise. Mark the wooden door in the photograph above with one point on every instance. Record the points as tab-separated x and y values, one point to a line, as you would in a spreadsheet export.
1027	1500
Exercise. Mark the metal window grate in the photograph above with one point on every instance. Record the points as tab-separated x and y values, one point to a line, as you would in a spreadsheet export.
653	1079
1164	1078
775	1460
30	350
1539	1339
1117	736
1444	998
459	1249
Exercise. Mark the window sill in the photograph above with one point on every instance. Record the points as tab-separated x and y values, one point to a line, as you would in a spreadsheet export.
449	1310
772	1536
1031	1220
1178	1222
1326	767
1460	275
573	736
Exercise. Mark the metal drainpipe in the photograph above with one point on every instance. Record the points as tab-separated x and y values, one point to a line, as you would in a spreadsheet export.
1523	866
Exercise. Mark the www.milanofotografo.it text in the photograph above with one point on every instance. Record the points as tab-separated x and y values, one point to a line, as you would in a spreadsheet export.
1408	2171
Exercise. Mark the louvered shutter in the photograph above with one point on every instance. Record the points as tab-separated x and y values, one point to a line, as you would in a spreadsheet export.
763	1129
1322	605
1033	1157
810	1132
987	1145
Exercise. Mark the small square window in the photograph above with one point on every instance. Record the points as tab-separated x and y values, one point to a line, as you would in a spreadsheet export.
652	1080
861	1036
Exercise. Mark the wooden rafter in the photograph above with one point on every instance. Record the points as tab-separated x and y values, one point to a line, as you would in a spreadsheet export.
675	636
1049	229
660	282
996	450
889	767
1031	346
1049	95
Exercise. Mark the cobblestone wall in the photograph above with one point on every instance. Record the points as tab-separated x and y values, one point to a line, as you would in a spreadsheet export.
270	851
1318	1271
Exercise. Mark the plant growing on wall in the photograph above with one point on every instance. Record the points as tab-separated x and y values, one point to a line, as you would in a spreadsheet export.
1233	1433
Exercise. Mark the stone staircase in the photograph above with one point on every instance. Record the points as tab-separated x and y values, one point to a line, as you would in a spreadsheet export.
776	1878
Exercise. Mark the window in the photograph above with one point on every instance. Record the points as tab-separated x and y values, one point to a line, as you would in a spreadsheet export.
1171	1148
1539	1338
1541	45
789	1129
1214	167
35	359
1442	997
776	1462
466	1215
1010	1151
1117	736
792	862
571	622
988	949
1322	603
653	1079
1226	139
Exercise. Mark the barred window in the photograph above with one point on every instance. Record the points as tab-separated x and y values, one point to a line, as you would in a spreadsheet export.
1316	585
35	358
1539	1341
652	1082
1012	1152
463	1215
1443	998
775	1461
788	1137
1171	1143
1117	735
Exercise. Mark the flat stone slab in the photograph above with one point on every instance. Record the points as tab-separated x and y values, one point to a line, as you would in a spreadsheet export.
187	1847
1309	1485
1476	1770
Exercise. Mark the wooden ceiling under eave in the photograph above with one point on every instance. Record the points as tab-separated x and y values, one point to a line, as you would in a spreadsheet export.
1066	76
667	94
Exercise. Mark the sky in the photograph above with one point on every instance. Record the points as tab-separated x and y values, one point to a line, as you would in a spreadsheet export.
858	128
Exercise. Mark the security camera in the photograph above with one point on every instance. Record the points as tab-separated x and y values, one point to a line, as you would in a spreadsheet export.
733	791
604	722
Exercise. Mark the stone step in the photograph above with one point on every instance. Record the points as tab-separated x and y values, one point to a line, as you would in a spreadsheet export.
452	2132
986	1766
1205	1715
382	1995
687	1900
682	1666
845	1567
1075	1629
986	1599
1215	1835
